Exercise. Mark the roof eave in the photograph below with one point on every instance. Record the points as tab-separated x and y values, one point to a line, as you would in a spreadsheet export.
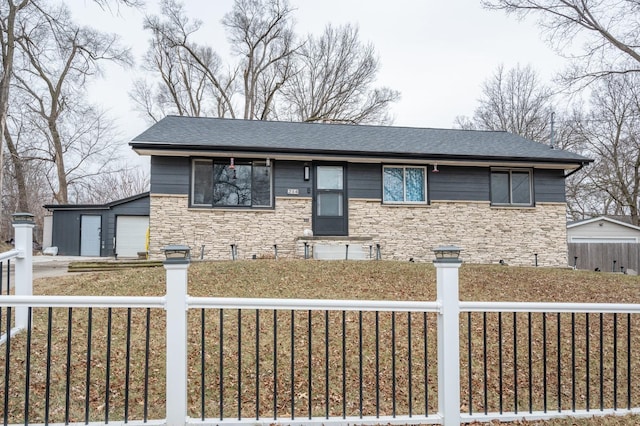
604	218
196	150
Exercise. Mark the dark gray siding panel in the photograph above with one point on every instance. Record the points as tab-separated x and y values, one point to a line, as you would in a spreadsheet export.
364	180
67	229
170	175
66	232
138	207
549	186
290	175
459	183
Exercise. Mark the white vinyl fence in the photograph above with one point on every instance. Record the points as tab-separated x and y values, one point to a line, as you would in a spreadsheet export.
181	360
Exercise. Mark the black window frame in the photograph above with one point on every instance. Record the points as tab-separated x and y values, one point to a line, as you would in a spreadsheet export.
509	172
238	162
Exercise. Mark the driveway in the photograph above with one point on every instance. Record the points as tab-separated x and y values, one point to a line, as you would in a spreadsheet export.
48	266
55	266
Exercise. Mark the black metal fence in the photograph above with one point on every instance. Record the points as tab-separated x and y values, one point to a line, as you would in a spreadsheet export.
562	362
81	365
309	364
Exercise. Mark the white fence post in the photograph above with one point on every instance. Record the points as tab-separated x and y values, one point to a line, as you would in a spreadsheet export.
176	307
23	225
448	335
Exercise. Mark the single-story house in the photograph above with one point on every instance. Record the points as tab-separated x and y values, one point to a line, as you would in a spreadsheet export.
605	244
259	184
119	228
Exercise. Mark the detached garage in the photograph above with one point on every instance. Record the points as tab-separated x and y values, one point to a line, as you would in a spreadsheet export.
115	229
604	244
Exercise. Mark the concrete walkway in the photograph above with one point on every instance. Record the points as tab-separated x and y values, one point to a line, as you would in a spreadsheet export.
56	266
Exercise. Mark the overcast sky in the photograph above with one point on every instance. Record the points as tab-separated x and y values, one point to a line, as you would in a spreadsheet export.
436	53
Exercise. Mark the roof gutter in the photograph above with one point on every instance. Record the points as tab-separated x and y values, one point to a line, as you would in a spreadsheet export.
584	163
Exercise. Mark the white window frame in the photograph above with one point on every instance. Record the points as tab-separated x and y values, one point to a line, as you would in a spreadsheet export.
510	172
404	184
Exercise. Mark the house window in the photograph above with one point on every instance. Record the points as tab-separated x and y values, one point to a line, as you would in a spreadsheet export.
402	184
216	183
511	187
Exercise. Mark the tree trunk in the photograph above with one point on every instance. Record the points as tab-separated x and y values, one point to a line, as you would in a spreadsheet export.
5	82
61	195
18	167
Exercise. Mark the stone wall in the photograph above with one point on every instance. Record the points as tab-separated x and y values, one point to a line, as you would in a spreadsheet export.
486	234
253	231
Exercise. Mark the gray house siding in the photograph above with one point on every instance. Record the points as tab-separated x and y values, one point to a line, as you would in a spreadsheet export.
171	175
364	180
549	186
290	175
459	183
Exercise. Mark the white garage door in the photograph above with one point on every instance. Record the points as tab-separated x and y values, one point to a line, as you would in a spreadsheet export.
131	234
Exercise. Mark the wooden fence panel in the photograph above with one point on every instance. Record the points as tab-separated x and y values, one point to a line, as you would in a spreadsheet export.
605	256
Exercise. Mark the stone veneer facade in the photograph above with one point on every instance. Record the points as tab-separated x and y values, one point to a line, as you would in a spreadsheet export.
486	234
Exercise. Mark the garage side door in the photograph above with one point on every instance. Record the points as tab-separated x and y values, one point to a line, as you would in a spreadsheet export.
90	229
131	234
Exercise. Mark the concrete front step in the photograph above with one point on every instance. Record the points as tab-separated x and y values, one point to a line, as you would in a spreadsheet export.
339	252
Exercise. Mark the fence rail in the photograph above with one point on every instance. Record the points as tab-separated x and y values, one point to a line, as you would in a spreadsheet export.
178	360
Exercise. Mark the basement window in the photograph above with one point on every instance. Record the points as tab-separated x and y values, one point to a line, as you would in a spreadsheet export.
219	183
511	187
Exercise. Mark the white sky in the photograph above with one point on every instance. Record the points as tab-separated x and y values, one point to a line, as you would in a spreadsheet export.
436	53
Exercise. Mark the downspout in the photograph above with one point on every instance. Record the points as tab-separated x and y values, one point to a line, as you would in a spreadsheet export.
576	170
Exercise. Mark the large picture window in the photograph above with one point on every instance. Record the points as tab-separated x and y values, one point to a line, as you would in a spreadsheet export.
218	183
511	187
403	184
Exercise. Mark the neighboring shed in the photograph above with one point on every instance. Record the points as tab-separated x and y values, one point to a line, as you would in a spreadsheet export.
604	243
118	228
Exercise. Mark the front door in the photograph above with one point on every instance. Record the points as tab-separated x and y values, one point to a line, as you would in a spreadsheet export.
90	230
330	201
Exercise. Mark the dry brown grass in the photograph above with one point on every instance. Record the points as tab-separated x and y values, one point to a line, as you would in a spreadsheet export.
299	279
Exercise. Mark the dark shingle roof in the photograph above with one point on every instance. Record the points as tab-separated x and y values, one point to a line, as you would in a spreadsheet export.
105	206
185	133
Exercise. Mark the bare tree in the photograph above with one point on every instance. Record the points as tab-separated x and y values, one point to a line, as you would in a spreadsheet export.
328	78
261	35
190	77
335	79
611	131
515	101
58	58
607	30
190	81
17	160
125	181
8	16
